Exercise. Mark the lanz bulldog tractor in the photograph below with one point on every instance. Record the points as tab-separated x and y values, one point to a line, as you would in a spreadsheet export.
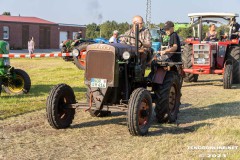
120	85
14	81
213	56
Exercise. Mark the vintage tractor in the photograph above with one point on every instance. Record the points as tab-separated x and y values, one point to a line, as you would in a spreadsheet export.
81	45
218	56
120	85
14	81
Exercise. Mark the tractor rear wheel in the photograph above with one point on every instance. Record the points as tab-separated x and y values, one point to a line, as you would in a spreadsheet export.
187	63
96	113
139	115
168	98
20	85
58	115
80	59
227	77
234	55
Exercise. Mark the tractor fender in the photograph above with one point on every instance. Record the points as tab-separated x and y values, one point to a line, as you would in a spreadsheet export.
229	61
159	75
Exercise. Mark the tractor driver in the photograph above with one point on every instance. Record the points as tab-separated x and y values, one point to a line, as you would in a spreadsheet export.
144	34
144	37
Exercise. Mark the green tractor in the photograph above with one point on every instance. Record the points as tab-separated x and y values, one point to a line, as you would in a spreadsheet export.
13	81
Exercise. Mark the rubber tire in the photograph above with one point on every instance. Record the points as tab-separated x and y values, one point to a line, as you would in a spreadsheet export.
81	46
234	55
187	63
162	91
52	106
227	77
133	108
27	83
97	113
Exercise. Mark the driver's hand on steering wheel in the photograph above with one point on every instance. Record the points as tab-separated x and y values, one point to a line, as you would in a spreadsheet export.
162	52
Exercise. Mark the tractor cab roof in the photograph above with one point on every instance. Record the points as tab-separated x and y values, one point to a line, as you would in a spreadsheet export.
213	17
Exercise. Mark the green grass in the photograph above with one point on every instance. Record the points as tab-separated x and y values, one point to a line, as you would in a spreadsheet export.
44	74
209	116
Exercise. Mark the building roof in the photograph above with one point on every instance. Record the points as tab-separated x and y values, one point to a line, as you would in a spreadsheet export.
24	19
72	25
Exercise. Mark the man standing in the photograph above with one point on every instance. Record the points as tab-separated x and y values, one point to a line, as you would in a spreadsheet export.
173	44
113	39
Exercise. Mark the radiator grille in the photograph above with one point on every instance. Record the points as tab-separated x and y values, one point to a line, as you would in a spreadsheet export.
100	64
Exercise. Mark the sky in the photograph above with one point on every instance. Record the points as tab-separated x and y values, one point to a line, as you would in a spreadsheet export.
83	12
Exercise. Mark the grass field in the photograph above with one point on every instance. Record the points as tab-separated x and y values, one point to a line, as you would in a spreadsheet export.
209	116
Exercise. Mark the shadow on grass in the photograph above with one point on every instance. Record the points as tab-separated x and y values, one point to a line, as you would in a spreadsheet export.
208	83
41	90
218	110
183	125
160	129
115	119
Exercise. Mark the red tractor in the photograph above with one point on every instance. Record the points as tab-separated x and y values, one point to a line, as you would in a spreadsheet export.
215	56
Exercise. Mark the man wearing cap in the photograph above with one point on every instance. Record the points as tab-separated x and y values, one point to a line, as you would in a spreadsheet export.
173	44
113	39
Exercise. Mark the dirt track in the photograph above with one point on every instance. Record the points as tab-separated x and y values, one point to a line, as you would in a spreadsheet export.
209	115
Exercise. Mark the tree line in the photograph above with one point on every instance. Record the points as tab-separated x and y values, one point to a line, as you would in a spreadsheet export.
105	29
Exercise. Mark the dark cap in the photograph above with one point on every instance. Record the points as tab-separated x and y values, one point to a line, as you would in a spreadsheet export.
168	25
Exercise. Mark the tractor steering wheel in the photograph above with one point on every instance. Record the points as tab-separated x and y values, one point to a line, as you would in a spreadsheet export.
141	43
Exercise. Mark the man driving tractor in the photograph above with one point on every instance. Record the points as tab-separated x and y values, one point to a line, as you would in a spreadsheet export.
144	38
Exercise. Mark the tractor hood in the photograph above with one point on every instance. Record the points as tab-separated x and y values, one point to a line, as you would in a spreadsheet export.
117	48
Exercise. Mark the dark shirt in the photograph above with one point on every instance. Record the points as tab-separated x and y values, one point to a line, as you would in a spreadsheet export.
77	36
174	39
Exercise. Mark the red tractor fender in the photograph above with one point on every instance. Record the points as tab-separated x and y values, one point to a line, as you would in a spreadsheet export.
159	75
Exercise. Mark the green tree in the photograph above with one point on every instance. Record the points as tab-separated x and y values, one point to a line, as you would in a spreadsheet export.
6	13
93	30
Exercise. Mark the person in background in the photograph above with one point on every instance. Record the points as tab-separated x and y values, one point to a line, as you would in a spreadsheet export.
211	34
114	37
78	35
31	46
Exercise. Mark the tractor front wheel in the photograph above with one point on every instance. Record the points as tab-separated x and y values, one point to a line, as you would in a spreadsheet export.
187	63
228	76
234	55
58	114
139	115
20	84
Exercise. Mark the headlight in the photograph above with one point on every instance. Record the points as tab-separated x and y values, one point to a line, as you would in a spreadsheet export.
75	52
7	47
196	55
6	62
126	55
206	55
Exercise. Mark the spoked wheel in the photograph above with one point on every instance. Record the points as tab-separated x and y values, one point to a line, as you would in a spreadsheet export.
228	76
139	115
19	85
80	61
168	98
58	114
